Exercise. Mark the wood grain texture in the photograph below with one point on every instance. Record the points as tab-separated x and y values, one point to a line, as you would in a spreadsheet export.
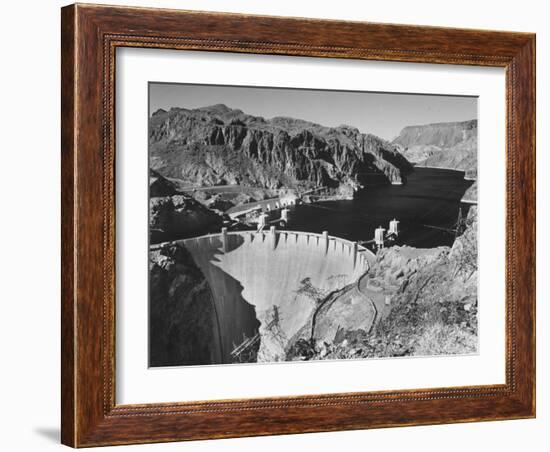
90	36
67	226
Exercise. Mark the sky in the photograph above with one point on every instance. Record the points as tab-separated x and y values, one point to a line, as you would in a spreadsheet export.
382	114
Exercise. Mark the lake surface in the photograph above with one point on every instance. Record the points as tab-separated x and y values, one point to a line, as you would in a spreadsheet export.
430	198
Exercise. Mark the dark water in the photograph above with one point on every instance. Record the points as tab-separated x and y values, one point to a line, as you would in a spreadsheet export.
431	197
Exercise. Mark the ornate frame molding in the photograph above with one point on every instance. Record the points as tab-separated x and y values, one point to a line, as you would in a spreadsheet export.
90	37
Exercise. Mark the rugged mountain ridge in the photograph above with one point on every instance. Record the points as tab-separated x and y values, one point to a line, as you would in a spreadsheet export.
448	144
218	145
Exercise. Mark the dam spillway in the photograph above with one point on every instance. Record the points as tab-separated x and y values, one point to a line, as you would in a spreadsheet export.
251	273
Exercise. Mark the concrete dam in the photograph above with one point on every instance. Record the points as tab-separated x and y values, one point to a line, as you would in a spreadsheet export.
255	278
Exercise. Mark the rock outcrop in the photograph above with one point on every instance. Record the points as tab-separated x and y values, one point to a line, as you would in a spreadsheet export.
427	306
179	217
434	306
450	145
218	145
183	327
160	186
471	194
447	145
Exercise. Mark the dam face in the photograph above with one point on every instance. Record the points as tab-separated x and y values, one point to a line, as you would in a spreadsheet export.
255	277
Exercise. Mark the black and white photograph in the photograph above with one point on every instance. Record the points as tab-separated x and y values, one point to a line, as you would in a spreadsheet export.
242	226
291	225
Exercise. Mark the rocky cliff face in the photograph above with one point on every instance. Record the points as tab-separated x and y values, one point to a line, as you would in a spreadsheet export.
218	145
183	328
449	145
433	310
160	186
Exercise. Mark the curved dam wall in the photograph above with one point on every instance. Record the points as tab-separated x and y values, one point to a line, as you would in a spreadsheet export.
254	274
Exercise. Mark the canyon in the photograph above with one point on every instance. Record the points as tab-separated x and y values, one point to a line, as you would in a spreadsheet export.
451	145
302	295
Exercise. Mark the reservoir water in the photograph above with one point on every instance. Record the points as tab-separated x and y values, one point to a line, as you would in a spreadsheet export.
430	199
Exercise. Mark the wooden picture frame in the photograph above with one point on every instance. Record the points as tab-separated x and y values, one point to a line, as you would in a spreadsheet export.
90	35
